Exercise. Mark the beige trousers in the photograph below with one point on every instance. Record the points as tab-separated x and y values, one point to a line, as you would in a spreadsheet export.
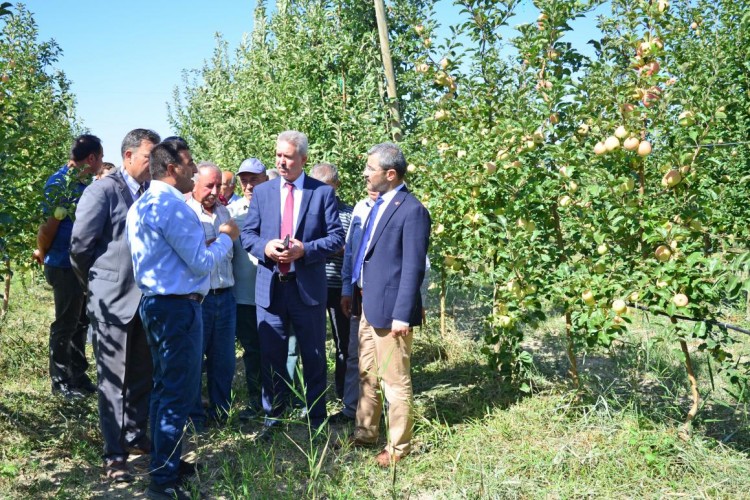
384	363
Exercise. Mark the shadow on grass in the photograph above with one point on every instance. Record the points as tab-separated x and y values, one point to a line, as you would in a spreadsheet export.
650	379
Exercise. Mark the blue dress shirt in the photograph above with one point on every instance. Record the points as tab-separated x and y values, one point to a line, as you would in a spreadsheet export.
168	246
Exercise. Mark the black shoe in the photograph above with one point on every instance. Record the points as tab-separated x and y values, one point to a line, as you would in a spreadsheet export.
86	386
169	491
249	413
340	418
189	469
69	393
270	427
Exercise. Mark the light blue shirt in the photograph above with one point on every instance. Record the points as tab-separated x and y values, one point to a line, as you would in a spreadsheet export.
221	276
353	238
244	264
168	246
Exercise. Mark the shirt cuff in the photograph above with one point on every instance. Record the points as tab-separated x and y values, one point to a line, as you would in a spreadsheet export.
399	324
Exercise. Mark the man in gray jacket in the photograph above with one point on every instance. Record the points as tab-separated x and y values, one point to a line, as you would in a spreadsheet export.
101	260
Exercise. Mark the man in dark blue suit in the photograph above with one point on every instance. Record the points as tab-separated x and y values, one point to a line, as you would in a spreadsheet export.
292	225
389	268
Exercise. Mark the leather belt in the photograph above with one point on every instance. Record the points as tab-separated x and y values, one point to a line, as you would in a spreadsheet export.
219	291
188	296
285	278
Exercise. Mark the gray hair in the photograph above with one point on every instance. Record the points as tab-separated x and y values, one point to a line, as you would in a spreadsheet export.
209	164
135	137
272	173
325	172
390	157
297	139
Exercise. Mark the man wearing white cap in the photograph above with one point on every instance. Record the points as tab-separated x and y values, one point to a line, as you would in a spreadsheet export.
251	173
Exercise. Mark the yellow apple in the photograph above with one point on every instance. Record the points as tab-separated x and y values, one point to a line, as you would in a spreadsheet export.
588	298
461	153
611	143
602	249
634	297
680	300
631	144
583	129
621	132
565	201
505	321
663	253
619	306
686	118
442	114
572	186
490	167
444	63
644	148
411	168
439	229
671	178
600	148
419	29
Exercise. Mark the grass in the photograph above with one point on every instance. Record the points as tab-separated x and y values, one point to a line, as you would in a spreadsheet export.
475	437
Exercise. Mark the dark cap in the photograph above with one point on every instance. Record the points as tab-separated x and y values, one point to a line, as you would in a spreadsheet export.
251	166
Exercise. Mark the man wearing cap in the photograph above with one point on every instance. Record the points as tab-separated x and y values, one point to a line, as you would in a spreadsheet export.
290	289
244	266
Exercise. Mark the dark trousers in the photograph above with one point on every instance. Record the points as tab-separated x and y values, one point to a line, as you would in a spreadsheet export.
67	334
340	331
219	325
247	335
274	324
174	328
124	373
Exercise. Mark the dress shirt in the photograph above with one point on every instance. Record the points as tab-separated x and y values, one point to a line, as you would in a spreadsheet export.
221	276
132	184
167	244
353	237
234	199
299	184
244	264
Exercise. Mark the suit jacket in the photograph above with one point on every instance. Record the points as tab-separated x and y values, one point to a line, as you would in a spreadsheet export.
394	264
99	251
318	228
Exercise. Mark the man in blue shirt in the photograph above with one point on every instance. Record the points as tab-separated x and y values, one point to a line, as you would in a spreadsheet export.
67	338
172	263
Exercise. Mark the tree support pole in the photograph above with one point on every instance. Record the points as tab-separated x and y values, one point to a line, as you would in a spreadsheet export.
390	76
695	396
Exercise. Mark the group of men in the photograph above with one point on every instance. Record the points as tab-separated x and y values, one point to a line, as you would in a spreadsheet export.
169	281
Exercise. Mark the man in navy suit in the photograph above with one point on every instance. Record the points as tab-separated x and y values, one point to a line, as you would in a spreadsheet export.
389	268
290	289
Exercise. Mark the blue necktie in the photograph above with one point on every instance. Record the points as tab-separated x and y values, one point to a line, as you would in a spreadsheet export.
365	240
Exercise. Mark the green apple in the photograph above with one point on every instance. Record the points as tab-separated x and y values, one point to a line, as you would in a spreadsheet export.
619	306
60	213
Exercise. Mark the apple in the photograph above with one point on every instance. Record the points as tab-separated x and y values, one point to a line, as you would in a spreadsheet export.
633	297
602	249
427	43
572	186
644	148
442	115
449	260
542	17
663	253
505	321
490	167
513	286
444	63
439	229
588	298
600	148
671	178
684	170
516	164
680	300
686	119
12	63
600	268
5	78
419	29
422	68
475	192
461	153
611	143
503	155
564	172
662	5
661	284
621	132
631	144
583	129
60	213
695	225
411	168
627	108
554	118
673	245
693	25
565	201
650	69
619	306
553	54
644	49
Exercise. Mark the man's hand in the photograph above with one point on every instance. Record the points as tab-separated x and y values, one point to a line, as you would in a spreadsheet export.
274	249
295	251
400	331
38	256
346	305
231	229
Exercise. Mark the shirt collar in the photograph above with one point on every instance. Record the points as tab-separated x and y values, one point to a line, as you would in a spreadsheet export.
299	182
131	183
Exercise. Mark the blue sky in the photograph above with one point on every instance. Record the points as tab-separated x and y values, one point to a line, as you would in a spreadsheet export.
125	58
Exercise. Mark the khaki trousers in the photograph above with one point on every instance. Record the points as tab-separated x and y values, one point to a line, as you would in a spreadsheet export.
384	362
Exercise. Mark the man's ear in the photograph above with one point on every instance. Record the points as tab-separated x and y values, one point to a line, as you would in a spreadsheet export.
127	156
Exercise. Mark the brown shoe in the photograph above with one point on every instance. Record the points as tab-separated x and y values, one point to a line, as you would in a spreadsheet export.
117	471
385	459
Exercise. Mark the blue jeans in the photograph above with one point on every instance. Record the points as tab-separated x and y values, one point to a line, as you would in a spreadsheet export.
219	324
174	328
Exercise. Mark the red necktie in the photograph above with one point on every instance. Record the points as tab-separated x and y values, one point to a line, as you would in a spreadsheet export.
287	222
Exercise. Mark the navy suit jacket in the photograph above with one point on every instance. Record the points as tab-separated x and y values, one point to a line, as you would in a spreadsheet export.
99	251
394	264
318	228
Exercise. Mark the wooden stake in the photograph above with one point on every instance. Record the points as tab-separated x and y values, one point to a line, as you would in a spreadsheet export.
390	76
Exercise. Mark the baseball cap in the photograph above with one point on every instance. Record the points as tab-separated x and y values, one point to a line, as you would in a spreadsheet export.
251	166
